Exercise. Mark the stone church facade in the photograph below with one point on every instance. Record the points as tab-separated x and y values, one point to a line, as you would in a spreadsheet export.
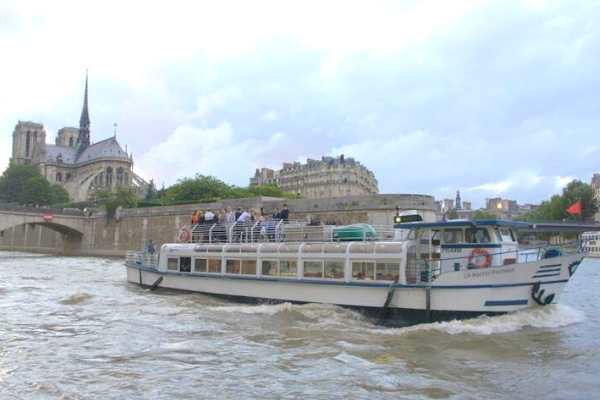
73	162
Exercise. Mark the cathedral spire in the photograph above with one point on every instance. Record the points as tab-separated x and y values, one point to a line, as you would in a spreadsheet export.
83	140
458	202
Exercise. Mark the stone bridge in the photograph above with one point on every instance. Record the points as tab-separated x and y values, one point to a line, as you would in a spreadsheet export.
70	225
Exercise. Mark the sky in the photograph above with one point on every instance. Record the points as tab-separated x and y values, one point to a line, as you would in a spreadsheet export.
492	98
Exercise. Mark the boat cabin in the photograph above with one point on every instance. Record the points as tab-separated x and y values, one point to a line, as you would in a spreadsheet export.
460	244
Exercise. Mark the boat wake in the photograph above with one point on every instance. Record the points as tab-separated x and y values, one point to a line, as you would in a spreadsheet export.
264	309
553	316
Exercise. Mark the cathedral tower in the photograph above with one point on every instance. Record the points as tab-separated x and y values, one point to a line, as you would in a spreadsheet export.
83	139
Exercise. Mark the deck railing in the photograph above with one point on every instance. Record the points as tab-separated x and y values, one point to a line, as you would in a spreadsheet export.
141	259
287	231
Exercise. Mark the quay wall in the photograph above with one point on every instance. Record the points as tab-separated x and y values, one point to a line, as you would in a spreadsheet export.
133	228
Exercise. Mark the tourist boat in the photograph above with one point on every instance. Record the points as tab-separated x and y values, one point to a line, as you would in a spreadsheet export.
408	273
591	243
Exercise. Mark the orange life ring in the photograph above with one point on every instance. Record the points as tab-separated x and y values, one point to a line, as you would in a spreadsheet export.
185	234
476	254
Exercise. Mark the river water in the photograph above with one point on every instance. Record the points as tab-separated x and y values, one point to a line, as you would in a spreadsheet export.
73	328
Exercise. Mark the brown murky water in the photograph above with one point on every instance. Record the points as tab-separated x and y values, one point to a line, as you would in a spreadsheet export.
73	328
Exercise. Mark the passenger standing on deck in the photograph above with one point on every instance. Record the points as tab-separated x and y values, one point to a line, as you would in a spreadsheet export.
150	247
276	214
229	221
244	219
285	213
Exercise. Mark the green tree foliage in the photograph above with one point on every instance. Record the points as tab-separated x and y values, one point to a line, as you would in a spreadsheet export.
123	197
151	193
575	191
24	184
484	214
453	214
555	209
210	188
60	194
198	187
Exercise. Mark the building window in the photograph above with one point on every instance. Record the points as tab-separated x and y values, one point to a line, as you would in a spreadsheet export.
71	142
108	174
120	175
27	138
58	177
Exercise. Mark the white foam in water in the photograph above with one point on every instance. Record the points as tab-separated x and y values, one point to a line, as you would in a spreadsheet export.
264	309
553	316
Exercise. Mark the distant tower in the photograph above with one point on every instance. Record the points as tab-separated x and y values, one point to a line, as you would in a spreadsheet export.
83	139
458	202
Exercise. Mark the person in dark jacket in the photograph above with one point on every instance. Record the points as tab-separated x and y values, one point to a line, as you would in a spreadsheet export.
285	213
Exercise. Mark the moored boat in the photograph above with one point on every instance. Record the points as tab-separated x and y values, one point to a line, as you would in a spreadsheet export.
591	243
412	272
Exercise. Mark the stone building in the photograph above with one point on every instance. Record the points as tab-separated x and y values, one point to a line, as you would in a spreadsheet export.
81	167
328	177
596	187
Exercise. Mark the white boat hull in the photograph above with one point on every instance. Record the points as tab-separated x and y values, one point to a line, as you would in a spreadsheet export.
477	291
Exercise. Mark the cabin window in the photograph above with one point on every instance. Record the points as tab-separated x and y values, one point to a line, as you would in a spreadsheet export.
214	266
270	267
232	266
388	271
334	269
173	264
200	265
313	269
185	264
504	235
249	267
288	268
482	236
453	236
363	270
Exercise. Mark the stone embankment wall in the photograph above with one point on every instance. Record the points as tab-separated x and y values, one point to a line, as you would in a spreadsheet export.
135	227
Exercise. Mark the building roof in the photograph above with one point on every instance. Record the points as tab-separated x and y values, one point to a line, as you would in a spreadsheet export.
105	148
66	153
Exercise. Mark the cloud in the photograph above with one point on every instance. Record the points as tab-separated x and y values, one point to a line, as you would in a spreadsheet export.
216	151
269	116
208	103
492	98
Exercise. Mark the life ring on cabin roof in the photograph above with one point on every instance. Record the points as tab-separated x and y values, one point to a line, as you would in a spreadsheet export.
477	254
185	234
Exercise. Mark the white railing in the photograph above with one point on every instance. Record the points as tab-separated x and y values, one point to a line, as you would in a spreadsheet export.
141	259
288	231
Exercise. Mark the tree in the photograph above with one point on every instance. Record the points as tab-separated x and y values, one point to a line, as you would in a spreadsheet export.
579	191
123	197
151	191
484	214
198	188
12	182
24	184
552	210
37	191
453	214
60	194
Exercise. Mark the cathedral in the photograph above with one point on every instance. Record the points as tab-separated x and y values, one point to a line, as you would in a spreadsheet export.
81	167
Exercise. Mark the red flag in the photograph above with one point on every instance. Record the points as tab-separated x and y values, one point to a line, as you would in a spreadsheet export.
575	208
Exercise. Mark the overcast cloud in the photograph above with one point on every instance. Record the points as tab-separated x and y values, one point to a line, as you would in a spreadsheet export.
495	98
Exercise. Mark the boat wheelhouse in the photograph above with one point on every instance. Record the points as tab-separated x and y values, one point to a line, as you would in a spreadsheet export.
591	243
409	272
